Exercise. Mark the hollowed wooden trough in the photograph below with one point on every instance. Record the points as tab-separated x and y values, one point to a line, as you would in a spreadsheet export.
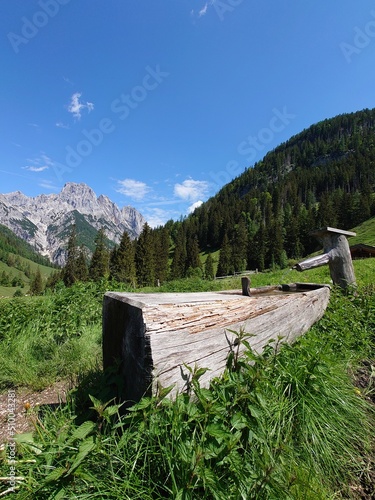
150	337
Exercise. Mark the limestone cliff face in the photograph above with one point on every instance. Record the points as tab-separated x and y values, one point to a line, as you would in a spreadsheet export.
45	220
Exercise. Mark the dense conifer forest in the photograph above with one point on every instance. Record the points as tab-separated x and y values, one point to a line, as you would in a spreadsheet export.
324	176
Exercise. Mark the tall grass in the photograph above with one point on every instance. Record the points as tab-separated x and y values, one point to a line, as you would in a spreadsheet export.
275	426
46	338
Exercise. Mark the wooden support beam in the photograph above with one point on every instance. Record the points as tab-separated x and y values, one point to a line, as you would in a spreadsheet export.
336	255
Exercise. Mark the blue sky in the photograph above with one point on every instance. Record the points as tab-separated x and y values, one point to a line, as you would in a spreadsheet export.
158	103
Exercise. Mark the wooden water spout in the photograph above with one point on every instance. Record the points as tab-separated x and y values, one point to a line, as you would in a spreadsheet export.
336	255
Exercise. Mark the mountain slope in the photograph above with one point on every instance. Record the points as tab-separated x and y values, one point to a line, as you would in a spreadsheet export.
324	176
45	220
10	243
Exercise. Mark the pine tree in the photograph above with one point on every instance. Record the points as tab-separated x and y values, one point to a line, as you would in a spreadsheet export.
122	263
99	266
239	246
178	265
225	267
193	261
144	258
257	249
36	285
82	272
162	244
275	245
69	274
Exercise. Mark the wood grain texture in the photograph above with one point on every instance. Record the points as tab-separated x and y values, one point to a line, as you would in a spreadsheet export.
155	335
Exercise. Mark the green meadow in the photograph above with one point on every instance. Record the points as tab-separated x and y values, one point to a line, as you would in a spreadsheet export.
296	425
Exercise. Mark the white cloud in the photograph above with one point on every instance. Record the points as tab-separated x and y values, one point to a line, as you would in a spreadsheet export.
61	125
157	216
35	169
194	206
191	190
76	106
203	11
39	164
136	190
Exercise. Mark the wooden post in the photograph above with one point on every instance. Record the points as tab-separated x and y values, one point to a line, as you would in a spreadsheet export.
336	255
245	281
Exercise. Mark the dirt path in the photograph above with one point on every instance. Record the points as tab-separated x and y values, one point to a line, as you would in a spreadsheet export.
16	406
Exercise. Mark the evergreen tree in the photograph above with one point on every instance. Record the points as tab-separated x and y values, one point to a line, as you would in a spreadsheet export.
209	273
4	279
144	258
122	261
239	244
257	249
99	266
275	245
192	254
69	274
162	244
82	272
36	284
178	265
225	267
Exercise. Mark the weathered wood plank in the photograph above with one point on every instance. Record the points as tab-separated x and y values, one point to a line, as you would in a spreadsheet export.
155	335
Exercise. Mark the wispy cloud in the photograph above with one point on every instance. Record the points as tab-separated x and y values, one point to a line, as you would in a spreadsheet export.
203	11
62	125
67	80
46	184
39	164
35	169
136	190
191	190
47	160
76	106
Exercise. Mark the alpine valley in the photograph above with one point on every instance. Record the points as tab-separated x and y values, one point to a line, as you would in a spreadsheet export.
45	221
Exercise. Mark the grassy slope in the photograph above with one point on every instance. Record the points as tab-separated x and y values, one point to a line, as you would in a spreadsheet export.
6	291
365	233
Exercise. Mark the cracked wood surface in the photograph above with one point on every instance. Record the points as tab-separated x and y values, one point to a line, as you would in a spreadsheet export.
155	335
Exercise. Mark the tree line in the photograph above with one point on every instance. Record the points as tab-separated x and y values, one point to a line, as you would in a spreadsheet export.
324	176
146	261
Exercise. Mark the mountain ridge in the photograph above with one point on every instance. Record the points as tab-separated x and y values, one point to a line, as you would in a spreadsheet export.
44	220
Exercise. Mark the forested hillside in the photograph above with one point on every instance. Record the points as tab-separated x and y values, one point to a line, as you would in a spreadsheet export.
11	244
323	176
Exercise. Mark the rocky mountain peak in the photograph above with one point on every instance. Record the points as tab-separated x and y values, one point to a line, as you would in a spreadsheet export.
45	220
